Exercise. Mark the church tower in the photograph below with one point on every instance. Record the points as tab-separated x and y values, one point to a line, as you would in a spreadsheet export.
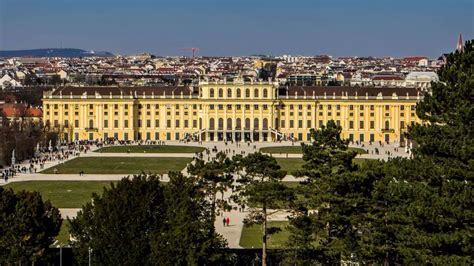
460	45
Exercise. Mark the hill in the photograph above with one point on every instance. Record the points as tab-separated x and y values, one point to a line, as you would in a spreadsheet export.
54	52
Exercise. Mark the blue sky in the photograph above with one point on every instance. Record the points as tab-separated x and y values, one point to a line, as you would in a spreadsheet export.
239	27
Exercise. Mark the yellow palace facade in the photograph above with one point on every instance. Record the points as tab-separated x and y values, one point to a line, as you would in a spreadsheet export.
221	110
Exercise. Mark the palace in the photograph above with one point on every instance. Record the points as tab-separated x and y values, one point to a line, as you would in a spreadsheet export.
222	110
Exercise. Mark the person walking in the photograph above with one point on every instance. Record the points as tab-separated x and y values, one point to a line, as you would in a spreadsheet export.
227	221
224	221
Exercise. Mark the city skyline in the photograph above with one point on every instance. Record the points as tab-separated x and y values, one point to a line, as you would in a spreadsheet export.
239	28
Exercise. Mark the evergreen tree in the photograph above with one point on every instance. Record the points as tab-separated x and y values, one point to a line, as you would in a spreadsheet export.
262	189
214	177
28	226
187	236
116	227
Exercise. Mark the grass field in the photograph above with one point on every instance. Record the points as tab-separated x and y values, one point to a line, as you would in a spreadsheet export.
120	165
63	236
63	194
252	236
151	149
297	150
290	164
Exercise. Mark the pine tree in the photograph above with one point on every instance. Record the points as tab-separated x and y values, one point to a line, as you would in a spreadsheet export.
262	189
28	226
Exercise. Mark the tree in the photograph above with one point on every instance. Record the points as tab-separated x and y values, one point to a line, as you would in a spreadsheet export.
28	226
428	200
117	226
187	236
213	177
141	221
331	198
261	187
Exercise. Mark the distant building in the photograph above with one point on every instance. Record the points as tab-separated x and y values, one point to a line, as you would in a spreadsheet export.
421	80
460	44
21	112
388	81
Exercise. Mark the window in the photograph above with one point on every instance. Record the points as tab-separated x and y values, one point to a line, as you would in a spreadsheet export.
402	124
300	107
239	93
238	106
220	107
176	123
255	93
265	123
211	123
186	123
76	123
329	107
361	124
338	107
66	123
402	107
247	93
265	93
247	123
211	93
387	125
247	107
412	108
320	123
238	123
221	93
308	123
351	107
255	106
351	124
168	123
229	107
157	123
229	93
194	123
387	107
282	122
292	106
361	137
291	124
338	123
229	124
91	123
361	108
148	123
220	123
139	122
372	124
106	123
300	123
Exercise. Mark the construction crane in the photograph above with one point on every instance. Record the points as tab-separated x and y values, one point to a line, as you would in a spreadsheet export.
193	49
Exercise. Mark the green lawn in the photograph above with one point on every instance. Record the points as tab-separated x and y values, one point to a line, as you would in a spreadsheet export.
63	236
297	149
120	165
290	164
63	194
252	236
151	149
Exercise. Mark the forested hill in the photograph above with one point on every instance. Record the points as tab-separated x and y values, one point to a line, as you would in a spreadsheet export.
54	52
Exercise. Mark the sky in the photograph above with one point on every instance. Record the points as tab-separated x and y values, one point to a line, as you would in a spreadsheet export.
239	27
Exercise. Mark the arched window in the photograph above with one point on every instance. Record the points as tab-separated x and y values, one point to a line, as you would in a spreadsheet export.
229	93
238	93
255	123
91	123
247	93
221	93
221	123
265	123
265	93
229	123
387	124
211	93
247	123
200	123
238	123
255	93
211	123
